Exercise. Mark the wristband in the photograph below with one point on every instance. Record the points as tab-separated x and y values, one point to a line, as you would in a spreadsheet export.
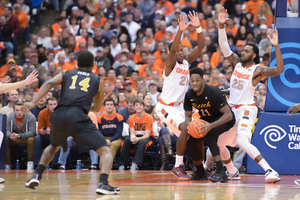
199	29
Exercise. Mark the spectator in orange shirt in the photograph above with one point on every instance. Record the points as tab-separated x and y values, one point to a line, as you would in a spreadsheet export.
159	35
150	62
128	88
72	63
231	28
134	77
141	135
99	20
42	140
167	6
264	10
161	62
58	27
148	39
253	5
61	62
23	19
51	71
183	3
160	46
111	76
10	64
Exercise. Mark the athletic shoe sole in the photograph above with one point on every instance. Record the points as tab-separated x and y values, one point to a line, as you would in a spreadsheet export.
181	178
272	180
101	191
32	184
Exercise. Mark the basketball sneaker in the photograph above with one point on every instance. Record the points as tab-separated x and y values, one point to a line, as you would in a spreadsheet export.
271	176
134	167
107	189
34	181
219	177
121	167
2	180
198	176
180	173
297	181
234	176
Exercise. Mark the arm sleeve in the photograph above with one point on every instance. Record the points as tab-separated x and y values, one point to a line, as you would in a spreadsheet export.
224	43
119	131
31	127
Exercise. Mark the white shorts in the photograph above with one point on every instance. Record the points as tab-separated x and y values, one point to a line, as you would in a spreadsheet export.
173	114
245	117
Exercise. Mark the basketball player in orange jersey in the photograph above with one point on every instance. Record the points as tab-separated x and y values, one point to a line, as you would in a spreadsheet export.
246	75
176	80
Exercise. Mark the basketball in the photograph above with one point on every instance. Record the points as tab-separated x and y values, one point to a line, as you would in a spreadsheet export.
195	128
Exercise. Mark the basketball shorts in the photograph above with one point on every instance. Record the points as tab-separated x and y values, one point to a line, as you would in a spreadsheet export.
72	121
173	114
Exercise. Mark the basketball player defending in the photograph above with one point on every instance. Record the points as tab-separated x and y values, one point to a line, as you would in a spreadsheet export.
70	119
176	81
247	74
6	87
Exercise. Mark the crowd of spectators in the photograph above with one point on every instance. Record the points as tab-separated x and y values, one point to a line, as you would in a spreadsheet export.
129	39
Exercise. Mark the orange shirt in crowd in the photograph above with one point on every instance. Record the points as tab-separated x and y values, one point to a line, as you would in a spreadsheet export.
23	18
160	66
141	125
56	29
44	119
182	3
141	70
193	35
159	35
19	122
269	19
70	65
252	6
132	82
101	23
167	7
137	57
232	30
215	58
4	69
95	69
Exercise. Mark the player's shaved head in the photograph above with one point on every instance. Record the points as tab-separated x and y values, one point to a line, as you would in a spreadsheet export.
85	59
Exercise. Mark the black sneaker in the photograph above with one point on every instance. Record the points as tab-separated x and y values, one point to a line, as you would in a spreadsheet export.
198	176
34	181
219	177
107	189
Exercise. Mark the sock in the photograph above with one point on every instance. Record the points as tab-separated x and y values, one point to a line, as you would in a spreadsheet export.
263	163
103	178
40	169
199	168
220	167
179	160
230	167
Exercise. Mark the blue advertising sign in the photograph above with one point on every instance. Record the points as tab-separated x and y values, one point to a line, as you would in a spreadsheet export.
283	91
277	137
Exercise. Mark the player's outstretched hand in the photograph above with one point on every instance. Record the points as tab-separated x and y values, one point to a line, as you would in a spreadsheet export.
273	36
222	16
194	19
32	77
28	106
182	23
293	109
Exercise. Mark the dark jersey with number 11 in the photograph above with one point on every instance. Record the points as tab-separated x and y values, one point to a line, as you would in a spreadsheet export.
79	87
208	103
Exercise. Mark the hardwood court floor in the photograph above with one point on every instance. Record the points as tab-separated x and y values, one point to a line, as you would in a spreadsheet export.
68	184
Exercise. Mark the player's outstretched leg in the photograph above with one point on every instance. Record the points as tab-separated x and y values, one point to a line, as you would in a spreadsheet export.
105	163
47	156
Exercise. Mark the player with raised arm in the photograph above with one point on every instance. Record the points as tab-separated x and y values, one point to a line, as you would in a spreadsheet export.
176	80
246	75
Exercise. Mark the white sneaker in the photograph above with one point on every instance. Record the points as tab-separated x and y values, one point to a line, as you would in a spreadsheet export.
234	176
30	165
2	180
7	167
62	167
133	167
121	167
271	176
297	181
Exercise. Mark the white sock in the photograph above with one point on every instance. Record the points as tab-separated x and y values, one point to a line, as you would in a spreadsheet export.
263	163
230	167
179	160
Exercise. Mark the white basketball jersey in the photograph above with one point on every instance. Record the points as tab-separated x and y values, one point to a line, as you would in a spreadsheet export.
176	84
241	88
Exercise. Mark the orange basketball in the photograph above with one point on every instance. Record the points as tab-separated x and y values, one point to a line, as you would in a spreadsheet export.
195	128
